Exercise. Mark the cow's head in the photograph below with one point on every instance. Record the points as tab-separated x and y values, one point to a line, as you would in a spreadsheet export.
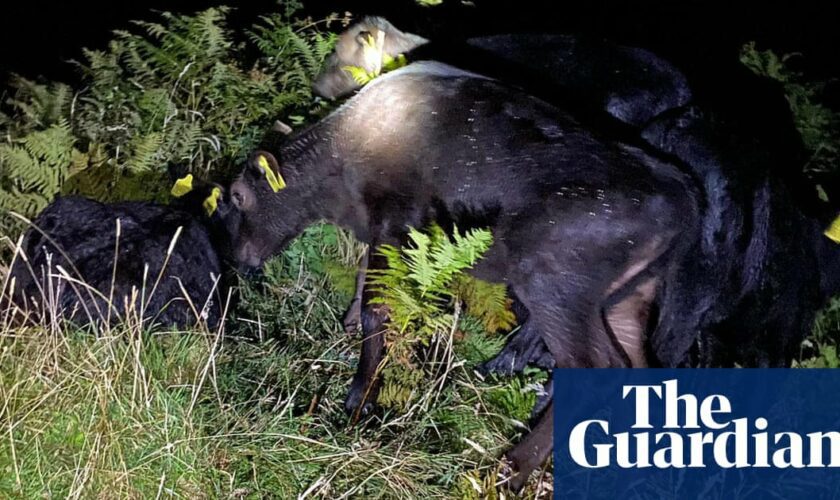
362	46
258	228
199	197
206	201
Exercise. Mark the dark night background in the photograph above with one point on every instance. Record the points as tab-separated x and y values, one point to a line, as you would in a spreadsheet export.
701	37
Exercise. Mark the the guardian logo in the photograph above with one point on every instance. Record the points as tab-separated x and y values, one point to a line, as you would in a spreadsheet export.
738	434
692	432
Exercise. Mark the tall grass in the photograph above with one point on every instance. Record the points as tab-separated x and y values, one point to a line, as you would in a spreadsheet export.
251	410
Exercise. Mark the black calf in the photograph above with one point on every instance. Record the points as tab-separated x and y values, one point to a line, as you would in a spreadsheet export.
67	267
746	289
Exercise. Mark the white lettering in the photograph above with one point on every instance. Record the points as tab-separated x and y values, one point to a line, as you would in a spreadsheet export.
789	456
642	403
577	445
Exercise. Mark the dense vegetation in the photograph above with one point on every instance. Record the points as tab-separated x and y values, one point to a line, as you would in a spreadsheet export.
182	90
254	409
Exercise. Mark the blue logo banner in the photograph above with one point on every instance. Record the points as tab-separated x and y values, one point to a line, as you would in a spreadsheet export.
696	434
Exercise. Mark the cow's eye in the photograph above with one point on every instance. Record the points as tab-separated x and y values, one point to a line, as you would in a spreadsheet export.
238	199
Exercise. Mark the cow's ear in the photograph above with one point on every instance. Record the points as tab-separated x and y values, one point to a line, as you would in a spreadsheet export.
266	166
182	186
364	38
241	195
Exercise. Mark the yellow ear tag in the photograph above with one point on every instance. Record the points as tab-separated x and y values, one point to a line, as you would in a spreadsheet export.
833	231
275	180
374	57
211	203
370	52
182	186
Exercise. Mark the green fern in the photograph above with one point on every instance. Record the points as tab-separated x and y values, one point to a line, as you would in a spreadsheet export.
417	282
362	77
401	381
488	302
180	89
293	47
473	344
145	152
37	106
517	397
32	170
418	287
359	75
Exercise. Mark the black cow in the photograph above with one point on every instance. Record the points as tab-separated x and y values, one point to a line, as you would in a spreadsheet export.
586	230
66	261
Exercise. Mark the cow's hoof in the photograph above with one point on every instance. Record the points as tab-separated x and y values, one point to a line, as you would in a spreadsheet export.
506	474
351	408
515	480
510	480
355	404
352	320
544	398
506	363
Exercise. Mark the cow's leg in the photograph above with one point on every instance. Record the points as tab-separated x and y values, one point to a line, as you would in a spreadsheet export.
353	316
533	450
365	388
579	341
